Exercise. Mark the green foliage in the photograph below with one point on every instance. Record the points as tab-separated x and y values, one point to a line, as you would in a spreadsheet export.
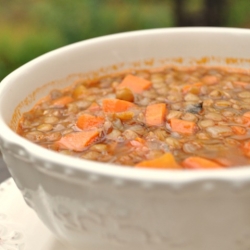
86	19
14	54
238	14
29	28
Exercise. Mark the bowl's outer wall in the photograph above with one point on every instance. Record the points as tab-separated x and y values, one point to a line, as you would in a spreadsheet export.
101	213
93	211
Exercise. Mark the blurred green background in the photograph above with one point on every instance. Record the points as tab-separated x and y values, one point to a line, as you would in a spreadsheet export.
29	28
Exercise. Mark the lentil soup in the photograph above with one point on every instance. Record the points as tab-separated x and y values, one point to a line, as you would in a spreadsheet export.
169	118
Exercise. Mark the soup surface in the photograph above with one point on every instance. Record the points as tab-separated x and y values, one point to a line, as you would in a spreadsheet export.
170	118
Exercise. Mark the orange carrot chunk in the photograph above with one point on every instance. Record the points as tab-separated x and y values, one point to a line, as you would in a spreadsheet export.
246	119
94	107
138	142
78	141
166	161
241	84
181	126
135	83
62	101
246	148
86	122
247	114
223	161
238	130
116	105
195	162
210	80
155	114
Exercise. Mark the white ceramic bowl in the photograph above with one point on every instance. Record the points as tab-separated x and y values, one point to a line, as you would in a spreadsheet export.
96	206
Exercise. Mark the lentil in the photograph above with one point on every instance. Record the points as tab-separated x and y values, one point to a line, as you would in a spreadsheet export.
207	105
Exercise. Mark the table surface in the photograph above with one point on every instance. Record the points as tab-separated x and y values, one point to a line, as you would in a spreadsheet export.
20	227
4	173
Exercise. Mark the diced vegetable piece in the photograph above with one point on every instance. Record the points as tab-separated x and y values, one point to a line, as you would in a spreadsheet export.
195	162
238	130
223	161
62	101
135	83
246	118
210	80
94	107
115	105
246	148
181	126
138	142
155	114
86	122
78	141
247	114
241	84
166	161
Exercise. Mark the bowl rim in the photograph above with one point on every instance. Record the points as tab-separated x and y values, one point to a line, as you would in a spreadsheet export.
9	139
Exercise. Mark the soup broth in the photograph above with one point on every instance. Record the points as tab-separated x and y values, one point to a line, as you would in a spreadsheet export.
169	118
